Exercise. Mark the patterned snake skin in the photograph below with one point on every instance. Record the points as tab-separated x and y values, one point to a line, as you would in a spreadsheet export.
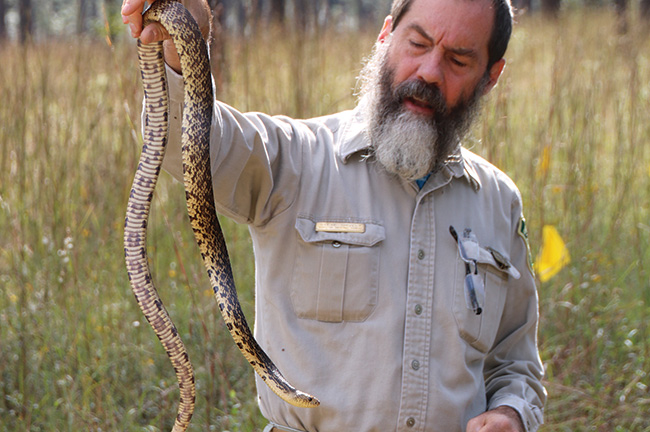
197	116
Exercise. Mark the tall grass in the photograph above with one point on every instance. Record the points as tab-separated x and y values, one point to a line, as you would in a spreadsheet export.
76	354
568	122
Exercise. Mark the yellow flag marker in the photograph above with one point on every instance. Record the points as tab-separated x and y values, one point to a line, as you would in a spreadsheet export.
553	255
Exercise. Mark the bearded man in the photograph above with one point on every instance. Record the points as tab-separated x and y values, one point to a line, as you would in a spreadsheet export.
393	278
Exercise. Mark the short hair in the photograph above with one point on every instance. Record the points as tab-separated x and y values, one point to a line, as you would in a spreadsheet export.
501	28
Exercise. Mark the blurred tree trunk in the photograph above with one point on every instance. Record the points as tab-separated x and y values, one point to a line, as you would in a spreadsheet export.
255	13
303	14
26	25
236	8
645	9
82	17
277	11
324	10
364	15
218	44
620	6
247	13
551	8
3	26
358	6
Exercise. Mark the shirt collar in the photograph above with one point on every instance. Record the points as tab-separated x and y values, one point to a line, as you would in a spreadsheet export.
354	139
354	136
461	165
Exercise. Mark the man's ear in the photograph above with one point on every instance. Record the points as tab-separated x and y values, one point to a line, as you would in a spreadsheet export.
386	29
494	74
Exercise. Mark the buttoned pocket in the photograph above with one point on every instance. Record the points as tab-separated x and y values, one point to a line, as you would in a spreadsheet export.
479	330
336	272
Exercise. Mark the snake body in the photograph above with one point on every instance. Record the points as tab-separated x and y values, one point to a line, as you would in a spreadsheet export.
197	115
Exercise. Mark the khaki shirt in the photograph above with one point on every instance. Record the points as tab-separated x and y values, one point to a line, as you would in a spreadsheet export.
360	294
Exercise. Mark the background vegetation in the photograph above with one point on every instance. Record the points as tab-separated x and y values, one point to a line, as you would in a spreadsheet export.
40	19
568	122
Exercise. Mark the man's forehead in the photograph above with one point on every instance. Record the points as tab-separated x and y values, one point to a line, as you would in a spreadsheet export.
465	24
432	3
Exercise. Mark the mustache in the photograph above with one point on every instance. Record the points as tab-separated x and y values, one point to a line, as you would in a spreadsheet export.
423	93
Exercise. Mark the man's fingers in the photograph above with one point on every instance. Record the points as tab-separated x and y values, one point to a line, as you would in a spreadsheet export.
135	24
500	419
154	32
132	15
475	425
130	7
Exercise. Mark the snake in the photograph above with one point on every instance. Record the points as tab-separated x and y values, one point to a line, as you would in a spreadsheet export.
197	178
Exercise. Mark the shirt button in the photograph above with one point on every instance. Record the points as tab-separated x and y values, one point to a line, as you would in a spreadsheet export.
420	254
418	309
415	365
410	422
336	244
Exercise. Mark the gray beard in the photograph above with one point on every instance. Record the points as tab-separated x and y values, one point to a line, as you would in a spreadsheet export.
404	143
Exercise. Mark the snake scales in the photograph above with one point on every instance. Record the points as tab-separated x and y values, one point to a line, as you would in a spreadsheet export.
197	114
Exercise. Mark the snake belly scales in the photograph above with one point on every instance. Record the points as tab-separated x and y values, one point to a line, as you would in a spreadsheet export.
197	115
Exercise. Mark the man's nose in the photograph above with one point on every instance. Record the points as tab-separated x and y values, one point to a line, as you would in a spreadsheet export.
430	69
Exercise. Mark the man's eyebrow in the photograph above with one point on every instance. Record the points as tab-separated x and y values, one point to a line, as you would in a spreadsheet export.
420	30
466	52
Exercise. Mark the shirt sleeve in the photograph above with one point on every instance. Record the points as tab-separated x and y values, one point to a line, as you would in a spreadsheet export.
173	162
256	159
513	368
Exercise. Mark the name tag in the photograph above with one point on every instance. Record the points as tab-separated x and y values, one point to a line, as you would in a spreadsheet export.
340	227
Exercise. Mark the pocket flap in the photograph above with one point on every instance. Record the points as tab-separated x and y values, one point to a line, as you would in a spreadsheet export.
372	234
497	261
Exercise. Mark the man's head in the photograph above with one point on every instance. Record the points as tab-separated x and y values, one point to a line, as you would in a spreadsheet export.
501	30
431	65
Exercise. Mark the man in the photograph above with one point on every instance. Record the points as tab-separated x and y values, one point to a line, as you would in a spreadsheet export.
393	278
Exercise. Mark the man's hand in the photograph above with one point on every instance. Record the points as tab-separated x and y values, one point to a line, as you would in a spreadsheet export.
501	419
154	32
132	15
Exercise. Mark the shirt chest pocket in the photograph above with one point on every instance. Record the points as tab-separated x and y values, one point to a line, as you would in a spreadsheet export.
479	330
336	272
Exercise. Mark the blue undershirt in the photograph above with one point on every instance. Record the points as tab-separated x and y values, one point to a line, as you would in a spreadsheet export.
423	180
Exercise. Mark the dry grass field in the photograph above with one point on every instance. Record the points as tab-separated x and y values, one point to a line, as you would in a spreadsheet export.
569	122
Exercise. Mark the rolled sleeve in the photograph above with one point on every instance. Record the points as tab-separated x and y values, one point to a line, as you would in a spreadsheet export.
531	415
